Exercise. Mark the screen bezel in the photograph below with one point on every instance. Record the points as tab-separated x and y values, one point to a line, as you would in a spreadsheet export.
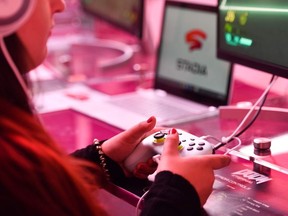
206	97
247	61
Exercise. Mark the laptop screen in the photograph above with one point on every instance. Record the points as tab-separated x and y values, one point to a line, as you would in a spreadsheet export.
187	65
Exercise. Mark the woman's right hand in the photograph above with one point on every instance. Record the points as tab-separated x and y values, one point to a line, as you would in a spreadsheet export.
198	170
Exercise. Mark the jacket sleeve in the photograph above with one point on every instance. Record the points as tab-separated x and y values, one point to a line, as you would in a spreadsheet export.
172	195
117	176
89	153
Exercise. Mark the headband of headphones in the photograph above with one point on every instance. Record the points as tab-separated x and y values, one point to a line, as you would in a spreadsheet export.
13	13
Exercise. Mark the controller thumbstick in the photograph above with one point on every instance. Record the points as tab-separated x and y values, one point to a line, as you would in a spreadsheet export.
159	138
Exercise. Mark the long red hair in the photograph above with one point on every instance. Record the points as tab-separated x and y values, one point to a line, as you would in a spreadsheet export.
36	177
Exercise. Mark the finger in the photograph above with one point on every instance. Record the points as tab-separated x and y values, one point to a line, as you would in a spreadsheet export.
139	175
150	162
142	170
145	168
171	143
218	161
129	139
138	131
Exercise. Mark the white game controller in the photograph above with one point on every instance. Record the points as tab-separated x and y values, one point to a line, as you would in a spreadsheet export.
152	145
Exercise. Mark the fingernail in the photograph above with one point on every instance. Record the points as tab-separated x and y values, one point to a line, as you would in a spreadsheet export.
172	131
150	119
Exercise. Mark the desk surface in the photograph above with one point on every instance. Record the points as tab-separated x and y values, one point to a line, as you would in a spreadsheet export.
243	188
235	190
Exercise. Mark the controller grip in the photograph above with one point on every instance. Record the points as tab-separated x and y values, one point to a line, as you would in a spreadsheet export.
140	154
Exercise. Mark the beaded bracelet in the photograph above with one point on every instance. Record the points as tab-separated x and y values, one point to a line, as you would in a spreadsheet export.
102	157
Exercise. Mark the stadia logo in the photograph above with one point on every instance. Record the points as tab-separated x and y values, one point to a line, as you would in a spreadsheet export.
195	39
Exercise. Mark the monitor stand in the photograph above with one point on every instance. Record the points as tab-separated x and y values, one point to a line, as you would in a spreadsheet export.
126	51
64	43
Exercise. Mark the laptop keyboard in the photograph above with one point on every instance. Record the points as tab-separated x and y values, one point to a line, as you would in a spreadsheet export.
149	107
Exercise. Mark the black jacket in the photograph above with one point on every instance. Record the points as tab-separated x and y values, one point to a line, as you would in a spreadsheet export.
168	195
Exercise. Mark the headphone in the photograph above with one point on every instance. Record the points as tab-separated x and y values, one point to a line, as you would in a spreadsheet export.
13	13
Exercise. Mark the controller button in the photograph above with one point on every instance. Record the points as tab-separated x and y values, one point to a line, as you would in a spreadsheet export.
201	143
184	140
192	139
180	148
192	144
190	148
200	148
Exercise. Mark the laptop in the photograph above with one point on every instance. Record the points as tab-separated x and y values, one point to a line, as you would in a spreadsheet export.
190	82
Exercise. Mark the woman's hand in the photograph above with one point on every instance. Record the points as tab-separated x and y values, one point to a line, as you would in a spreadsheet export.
144	169
119	147
198	170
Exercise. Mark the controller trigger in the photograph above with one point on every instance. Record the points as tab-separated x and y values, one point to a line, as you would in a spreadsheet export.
156	158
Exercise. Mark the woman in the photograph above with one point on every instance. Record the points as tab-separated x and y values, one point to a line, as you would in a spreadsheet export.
37	178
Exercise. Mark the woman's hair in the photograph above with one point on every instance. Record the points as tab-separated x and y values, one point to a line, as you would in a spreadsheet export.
10	89
36	177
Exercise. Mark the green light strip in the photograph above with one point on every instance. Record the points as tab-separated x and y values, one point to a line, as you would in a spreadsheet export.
239	8
245	41
237	40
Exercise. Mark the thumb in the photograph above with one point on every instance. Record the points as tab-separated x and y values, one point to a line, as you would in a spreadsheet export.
171	143
219	161
139	130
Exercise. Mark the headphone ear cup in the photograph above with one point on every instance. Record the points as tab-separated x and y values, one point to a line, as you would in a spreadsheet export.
13	13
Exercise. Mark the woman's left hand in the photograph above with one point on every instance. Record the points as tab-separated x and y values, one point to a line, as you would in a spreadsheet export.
119	147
